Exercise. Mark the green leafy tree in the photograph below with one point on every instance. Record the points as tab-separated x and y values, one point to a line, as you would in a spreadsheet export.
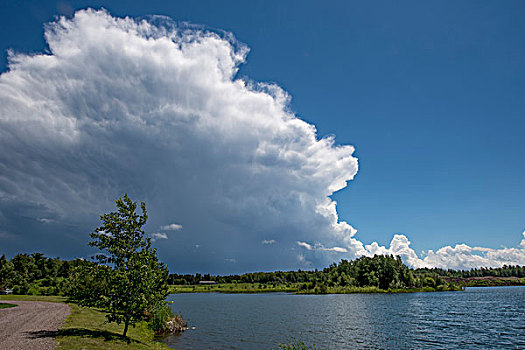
88	284
129	279
6	272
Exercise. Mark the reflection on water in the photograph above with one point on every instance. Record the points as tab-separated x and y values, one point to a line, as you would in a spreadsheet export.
478	318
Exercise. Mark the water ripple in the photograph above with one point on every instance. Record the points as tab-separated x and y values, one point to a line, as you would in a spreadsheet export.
478	318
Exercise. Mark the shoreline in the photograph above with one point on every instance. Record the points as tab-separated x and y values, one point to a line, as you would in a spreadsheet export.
251	289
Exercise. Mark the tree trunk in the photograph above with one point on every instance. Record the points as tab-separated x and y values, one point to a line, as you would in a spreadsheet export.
126	324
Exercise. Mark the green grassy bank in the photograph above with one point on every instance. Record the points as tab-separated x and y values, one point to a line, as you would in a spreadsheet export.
234	288
85	328
488	281
297	288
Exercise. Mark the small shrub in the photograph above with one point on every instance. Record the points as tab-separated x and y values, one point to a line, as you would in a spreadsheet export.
33	290
21	288
429	282
163	321
160	315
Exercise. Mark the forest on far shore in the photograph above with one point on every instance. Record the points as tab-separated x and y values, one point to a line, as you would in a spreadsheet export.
383	272
36	274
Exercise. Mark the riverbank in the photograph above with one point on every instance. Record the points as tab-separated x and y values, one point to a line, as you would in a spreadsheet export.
85	328
487	281
234	288
297	288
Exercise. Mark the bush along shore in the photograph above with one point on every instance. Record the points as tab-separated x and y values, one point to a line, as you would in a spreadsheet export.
164	322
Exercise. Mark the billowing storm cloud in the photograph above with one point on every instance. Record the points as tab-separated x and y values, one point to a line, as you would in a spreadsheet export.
156	110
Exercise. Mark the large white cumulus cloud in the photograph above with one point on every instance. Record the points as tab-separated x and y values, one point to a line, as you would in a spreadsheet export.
156	109
459	257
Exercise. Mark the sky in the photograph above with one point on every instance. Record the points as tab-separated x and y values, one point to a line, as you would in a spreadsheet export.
267	135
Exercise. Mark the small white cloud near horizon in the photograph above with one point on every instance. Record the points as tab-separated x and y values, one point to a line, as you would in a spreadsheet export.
230	260
158	235
304	245
268	241
320	247
171	227
46	220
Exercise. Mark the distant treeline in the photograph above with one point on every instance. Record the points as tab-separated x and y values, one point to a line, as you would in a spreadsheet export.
381	271
385	272
37	274
505	271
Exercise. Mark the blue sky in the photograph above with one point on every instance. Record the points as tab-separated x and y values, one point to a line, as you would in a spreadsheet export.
430	94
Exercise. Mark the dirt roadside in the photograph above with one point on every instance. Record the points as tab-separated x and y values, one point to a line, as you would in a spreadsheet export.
32	325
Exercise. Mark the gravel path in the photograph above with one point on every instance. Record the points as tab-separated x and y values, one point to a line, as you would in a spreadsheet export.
31	325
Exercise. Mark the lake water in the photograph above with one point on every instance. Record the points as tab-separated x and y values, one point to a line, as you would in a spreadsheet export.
477	318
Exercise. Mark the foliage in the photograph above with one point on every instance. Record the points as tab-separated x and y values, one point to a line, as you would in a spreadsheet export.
6	305
363	275
35	274
38	275
6	272
160	315
504	271
128	280
383	272
88	284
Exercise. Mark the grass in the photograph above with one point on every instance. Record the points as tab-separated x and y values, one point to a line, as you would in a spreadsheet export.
52	299
6	305
85	328
234	288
